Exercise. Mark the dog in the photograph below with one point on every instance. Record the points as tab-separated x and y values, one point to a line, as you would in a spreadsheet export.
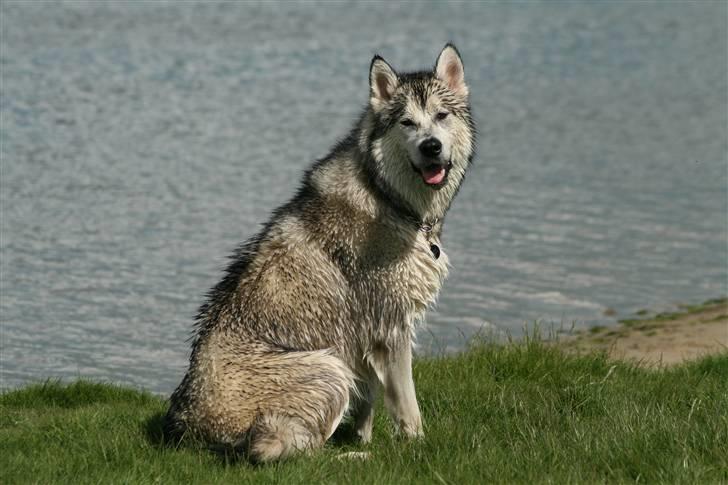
317	313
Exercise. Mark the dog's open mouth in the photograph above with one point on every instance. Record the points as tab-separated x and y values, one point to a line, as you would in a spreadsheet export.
434	174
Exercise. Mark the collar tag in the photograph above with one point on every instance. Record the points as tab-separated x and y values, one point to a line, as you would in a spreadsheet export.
435	250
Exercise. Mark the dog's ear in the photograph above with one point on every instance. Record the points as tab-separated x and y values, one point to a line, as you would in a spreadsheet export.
382	82
449	68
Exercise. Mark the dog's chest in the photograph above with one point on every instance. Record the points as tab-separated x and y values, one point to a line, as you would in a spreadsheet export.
426	270
408	273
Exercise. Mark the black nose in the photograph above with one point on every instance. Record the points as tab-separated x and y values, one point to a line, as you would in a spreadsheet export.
431	147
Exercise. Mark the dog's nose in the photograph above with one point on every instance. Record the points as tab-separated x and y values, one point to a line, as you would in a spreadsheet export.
431	147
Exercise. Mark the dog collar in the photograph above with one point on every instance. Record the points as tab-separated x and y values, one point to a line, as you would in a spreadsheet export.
426	227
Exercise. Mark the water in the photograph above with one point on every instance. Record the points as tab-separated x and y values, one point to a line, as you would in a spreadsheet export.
141	142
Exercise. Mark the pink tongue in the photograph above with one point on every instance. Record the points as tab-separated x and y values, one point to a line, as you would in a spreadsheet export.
433	176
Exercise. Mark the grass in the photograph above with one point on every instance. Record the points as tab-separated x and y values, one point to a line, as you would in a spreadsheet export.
523	412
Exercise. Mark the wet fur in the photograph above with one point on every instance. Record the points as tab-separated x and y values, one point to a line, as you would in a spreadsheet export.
317	312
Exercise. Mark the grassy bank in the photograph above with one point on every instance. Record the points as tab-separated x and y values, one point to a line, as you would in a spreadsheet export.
517	413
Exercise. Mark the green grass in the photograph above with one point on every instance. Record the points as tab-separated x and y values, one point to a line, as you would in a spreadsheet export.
515	413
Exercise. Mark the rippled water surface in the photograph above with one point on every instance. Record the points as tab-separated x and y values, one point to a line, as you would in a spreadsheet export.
141	142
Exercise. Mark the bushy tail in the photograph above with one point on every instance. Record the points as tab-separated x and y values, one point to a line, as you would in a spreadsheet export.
173	427
274	436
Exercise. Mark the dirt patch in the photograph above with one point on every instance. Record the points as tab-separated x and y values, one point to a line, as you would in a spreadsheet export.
662	339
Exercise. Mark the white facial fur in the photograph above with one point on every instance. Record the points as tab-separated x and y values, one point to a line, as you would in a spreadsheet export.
426	125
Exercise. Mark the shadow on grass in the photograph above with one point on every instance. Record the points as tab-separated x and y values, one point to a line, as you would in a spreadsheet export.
226	454
344	436
154	430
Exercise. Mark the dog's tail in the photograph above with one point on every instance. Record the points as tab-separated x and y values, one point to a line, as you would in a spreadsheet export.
174	427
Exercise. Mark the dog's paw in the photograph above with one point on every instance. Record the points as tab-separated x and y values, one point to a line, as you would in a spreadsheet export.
412	430
414	434
354	455
364	435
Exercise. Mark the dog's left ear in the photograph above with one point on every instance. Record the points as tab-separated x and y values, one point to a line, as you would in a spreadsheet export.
449	68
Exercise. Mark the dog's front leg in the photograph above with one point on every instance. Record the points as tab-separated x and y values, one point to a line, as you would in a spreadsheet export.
399	390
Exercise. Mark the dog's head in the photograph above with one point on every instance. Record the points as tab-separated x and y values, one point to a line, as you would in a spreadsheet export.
422	135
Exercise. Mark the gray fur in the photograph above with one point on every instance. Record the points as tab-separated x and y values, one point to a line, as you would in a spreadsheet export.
318	311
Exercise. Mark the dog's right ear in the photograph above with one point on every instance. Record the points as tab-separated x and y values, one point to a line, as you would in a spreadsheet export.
382	83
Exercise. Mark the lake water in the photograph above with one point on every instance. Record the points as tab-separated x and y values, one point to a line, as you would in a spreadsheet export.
141	142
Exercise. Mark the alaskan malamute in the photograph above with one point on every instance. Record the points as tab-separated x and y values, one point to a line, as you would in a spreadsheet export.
317	312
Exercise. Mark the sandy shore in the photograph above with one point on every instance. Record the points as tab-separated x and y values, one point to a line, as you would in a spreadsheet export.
661	339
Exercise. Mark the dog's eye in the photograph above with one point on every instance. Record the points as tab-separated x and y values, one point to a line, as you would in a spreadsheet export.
407	122
441	115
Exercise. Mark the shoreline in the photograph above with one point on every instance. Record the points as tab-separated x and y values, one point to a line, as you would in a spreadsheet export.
661	339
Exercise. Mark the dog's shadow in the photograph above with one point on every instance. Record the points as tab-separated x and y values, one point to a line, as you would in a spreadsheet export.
345	434
153	428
